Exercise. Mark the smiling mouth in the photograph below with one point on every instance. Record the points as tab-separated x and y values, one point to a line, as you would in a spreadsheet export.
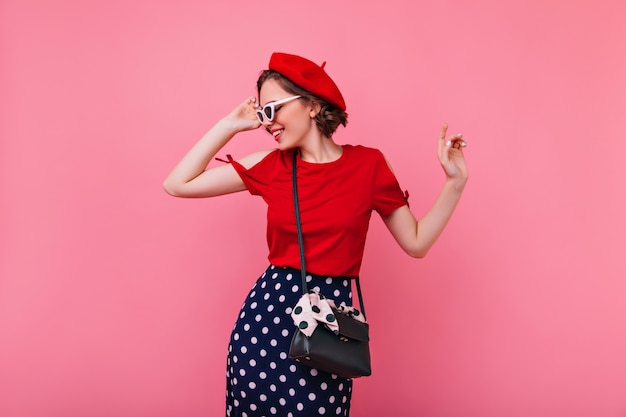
277	133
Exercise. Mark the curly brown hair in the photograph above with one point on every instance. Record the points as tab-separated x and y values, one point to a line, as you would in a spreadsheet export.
327	119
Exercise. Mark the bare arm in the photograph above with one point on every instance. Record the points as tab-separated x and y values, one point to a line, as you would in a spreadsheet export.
190	178
417	237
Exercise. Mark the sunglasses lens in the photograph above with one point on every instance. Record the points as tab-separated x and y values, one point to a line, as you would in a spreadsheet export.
268	112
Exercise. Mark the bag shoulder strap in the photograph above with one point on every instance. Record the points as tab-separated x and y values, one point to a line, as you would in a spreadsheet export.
294	180
296	205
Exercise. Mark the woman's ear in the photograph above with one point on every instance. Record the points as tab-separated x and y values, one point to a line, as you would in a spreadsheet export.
314	108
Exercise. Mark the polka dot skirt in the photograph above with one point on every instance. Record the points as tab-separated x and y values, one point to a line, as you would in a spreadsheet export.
260	379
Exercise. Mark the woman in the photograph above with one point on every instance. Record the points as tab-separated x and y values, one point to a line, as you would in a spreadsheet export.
339	186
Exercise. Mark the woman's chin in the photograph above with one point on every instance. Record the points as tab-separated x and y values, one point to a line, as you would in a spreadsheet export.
284	146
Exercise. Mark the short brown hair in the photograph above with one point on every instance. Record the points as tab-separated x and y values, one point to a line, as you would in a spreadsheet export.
327	119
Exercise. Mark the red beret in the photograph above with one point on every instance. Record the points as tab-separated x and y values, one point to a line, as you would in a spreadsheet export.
308	75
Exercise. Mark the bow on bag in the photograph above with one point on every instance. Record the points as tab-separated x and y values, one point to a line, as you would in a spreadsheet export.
313	308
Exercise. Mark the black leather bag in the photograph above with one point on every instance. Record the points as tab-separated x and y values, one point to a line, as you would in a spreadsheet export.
346	354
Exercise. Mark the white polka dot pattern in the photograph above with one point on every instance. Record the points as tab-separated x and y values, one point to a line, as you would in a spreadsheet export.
260	379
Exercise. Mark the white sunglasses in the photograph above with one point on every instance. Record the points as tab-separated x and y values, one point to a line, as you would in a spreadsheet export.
267	112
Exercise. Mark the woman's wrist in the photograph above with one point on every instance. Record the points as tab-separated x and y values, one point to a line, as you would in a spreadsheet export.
456	183
229	126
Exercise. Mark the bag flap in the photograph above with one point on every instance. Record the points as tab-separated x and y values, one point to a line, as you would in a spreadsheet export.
351	328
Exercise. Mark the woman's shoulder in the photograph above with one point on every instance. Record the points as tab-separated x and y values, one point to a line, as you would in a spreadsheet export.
364	152
251	160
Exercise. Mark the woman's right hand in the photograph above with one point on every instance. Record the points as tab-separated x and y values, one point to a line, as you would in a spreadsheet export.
243	117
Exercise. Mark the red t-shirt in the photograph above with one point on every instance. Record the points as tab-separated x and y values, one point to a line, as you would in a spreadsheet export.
336	201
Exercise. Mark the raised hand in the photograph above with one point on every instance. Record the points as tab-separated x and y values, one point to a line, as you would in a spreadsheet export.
243	117
450	153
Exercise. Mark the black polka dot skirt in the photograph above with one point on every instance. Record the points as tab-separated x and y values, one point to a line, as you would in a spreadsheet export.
260	379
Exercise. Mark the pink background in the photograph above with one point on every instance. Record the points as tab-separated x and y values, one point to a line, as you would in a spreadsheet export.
118	300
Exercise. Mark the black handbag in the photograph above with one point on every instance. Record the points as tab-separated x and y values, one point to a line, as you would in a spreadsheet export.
345	354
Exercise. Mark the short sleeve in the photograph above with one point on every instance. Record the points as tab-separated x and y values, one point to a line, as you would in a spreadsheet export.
258	177
386	193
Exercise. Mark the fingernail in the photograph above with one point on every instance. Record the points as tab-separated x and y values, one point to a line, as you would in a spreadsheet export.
464	144
448	143
460	135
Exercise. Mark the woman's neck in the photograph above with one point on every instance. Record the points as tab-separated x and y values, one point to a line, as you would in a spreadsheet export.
320	151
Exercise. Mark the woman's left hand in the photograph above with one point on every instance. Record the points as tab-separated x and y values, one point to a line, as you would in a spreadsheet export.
450	152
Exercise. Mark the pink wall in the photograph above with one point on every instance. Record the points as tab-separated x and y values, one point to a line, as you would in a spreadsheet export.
117	300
